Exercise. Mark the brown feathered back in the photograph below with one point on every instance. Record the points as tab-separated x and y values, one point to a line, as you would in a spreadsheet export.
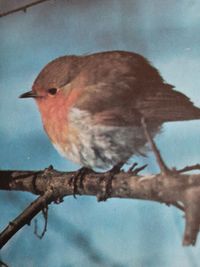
125	84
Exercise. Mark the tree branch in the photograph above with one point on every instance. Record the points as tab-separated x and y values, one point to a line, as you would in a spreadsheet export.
22	8
171	187
180	190
25	217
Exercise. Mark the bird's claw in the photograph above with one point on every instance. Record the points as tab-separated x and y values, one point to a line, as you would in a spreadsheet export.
135	171
108	180
78	176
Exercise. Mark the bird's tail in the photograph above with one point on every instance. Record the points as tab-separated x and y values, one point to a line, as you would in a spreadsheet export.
170	105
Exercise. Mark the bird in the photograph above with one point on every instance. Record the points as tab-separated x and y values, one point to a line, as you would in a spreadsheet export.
92	105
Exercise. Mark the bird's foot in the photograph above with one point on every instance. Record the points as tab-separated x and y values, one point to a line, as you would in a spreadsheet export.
108	180
58	200
77	180
135	171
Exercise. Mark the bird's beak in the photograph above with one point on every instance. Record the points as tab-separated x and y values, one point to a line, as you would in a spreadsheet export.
29	94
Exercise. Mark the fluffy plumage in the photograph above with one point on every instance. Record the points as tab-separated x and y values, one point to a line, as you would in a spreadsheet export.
94	117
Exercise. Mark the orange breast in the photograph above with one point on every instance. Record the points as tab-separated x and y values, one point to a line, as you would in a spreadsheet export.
54	112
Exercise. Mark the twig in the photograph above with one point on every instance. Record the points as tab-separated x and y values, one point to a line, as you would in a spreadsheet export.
192	216
3	264
189	168
163	167
25	217
22	8
178	206
45	215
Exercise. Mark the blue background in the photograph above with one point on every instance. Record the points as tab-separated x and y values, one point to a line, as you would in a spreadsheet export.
82	232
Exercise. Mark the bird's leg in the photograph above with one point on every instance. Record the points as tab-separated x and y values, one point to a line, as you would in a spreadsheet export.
108	188
79	176
163	167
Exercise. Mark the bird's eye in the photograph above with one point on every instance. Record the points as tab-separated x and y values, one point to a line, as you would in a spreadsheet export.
52	91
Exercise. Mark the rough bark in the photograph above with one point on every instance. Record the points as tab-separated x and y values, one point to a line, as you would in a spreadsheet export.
180	190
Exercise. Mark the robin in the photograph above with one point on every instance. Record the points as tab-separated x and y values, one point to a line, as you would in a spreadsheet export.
91	106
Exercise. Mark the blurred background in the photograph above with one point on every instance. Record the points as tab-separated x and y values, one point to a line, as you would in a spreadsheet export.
83	232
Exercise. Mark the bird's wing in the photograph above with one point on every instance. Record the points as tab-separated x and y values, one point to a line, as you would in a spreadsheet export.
120	88
123	107
107	107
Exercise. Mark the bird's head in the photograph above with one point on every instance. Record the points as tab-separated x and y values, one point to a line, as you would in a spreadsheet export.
52	85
